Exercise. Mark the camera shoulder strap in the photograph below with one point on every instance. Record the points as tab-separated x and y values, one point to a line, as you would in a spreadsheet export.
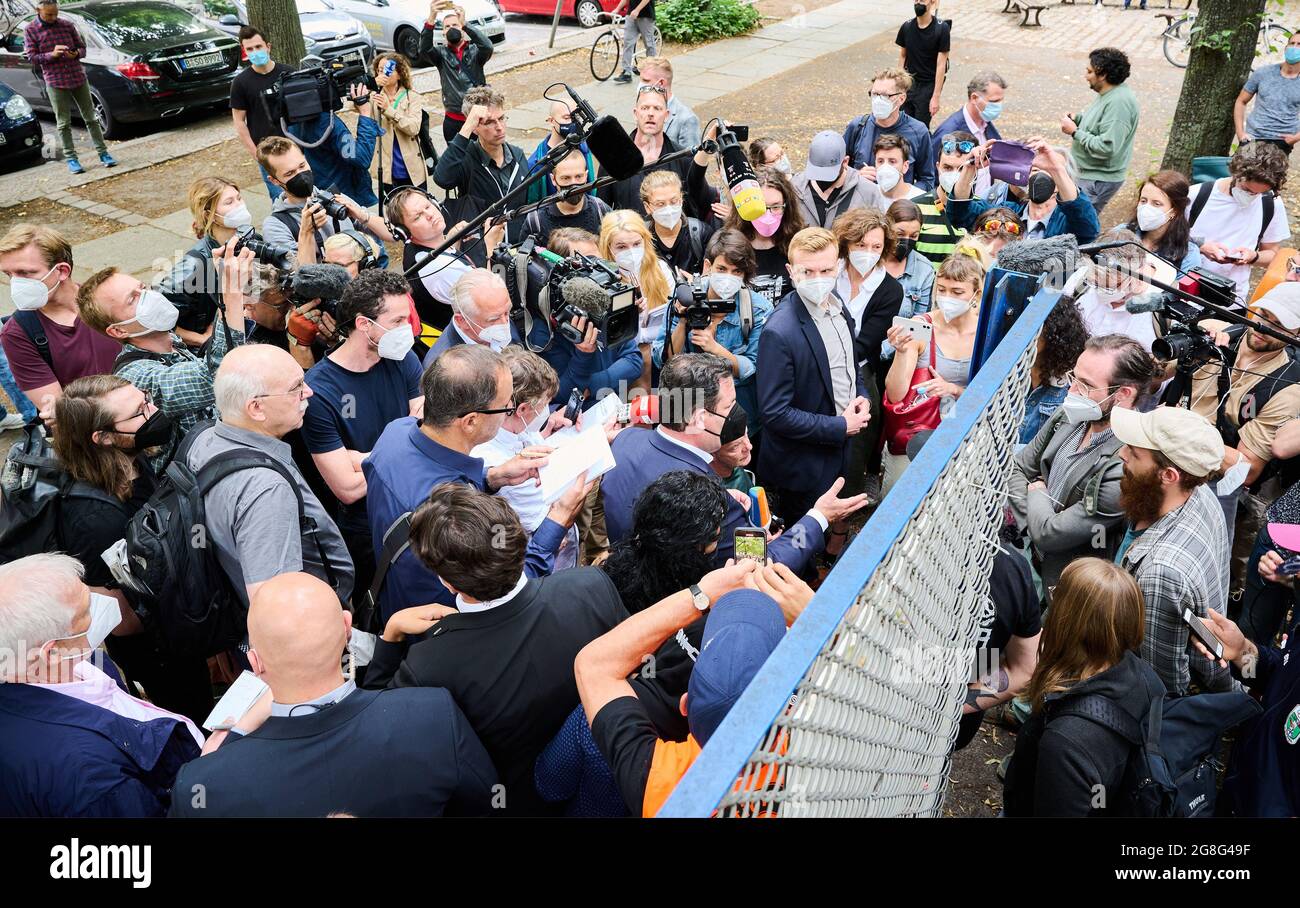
746	313
35	331
288	219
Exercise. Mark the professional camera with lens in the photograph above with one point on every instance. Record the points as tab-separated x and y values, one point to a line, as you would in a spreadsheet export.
267	253
314	88
1186	344
558	290
699	309
330	203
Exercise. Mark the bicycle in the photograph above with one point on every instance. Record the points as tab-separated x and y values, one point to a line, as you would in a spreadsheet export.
607	49
1269	47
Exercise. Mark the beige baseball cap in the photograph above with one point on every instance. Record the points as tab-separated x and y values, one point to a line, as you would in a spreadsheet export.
1283	301
1185	438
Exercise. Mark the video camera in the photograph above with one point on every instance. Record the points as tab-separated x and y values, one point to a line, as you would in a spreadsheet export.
699	309
267	253
315	88
544	285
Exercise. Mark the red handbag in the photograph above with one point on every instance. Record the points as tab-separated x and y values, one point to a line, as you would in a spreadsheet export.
914	413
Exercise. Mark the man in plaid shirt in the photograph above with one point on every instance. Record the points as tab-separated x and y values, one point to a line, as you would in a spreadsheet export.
55	48
1176	545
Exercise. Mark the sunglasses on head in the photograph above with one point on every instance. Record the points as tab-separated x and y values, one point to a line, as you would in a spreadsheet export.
951	147
994	227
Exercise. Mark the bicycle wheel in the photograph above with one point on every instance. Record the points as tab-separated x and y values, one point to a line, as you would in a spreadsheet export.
1271	46
605	51
1178	41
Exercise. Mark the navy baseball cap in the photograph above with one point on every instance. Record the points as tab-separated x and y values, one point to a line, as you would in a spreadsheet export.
742	629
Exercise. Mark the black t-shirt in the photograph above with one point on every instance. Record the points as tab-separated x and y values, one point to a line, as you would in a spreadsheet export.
551	218
771	262
245	95
923	46
89	526
431	311
684	254
626	739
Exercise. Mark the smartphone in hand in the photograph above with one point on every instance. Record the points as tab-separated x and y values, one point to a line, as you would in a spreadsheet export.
1203	633
751	543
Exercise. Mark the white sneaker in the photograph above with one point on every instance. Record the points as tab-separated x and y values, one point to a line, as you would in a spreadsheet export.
12	421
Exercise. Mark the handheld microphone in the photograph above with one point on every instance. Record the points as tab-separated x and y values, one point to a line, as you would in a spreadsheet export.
607	140
742	184
1151	301
643	410
324	281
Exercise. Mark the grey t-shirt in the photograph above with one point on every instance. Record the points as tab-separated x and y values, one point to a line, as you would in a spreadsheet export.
252	516
1277	103
834	331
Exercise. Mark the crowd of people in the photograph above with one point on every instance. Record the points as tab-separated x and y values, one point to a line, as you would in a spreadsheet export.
336	458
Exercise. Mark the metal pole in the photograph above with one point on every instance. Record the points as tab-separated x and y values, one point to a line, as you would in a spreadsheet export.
555	22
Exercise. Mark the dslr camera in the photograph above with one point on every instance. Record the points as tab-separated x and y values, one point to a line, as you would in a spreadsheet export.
699	309
280	257
330	203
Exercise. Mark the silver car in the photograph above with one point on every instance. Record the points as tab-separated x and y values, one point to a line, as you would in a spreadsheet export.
327	32
396	24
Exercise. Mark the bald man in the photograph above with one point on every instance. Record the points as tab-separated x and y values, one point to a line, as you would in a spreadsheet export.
559	120
318	745
262	516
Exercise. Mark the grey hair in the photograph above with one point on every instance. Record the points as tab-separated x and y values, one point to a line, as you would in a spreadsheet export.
261	278
485	95
39	596
460	381
232	389
982	80
462	293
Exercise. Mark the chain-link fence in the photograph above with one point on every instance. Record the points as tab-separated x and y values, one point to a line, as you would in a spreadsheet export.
879	662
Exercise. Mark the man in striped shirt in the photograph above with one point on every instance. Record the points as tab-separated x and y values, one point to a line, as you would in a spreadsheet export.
938	234
55	47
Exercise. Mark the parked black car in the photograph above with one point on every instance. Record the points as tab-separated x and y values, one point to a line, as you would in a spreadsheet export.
145	60
20	131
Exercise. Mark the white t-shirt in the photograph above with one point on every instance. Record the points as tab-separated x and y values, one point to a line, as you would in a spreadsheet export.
526	497
1100	318
441	274
1223	221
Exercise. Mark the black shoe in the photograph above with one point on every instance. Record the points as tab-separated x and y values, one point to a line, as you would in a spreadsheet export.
623	78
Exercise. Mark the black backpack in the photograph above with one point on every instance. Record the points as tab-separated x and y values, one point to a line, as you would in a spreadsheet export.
1172	769
33	488
185	597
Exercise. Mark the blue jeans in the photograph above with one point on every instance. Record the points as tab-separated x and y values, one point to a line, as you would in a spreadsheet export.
20	400
273	189
1263	604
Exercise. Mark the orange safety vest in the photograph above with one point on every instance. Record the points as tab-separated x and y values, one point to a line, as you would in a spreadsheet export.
672	759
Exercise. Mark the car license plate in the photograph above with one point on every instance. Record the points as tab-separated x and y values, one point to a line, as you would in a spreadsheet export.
352	57
201	61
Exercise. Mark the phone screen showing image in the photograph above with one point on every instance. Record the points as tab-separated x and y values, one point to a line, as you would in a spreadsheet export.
751	544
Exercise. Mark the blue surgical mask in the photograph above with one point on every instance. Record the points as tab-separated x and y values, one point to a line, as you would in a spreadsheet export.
1292	55
259	57
992	110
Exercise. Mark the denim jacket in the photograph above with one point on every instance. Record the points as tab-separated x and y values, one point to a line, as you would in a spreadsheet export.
1040	404
918	287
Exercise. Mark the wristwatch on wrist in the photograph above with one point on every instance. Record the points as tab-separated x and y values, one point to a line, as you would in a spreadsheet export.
699	597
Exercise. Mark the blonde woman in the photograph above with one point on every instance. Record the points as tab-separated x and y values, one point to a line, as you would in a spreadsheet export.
626	241
397	160
1089	646
194	285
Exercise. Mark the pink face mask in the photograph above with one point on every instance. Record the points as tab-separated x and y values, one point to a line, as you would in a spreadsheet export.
769	223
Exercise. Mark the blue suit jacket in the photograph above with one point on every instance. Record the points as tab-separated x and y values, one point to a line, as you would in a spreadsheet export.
389	753
643	455
63	757
805	445
450	337
956	123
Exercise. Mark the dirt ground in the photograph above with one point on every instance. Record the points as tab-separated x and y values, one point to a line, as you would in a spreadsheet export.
73	223
159	190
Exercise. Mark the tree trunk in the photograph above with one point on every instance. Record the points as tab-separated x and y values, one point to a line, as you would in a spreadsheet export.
279	22
1223	51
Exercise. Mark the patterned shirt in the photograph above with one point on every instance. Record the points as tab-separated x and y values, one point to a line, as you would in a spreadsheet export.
1181	562
40	38
1069	454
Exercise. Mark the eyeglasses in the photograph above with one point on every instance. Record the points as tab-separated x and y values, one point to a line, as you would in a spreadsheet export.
508	411
995	227
776	209
886	96
300	389
1074	381
952	147
149	401
659	90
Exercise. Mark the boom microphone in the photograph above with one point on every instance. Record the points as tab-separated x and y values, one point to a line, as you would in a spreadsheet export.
584	294
309	282
607	140
742	184
1057	255
1151	301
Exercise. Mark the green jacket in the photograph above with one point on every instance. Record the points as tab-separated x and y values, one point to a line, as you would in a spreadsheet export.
1103	143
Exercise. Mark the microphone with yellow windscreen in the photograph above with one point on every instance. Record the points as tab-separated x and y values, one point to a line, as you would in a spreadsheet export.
742	185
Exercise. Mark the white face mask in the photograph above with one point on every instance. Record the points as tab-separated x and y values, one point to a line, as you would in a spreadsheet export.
237	217
30	293
1243	197
725	286
105	616
881	108
536	424
1149	217
496	336
153	312
394	343
948	179
887	177
668	216
1108	297
863	261
630	259
783	164
1078	408
814	290
1233	479
951	307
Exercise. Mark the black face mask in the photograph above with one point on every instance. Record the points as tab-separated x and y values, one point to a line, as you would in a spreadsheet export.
454	35
734	424
903	248
1041	188
156	431
300	185
825	185
919	9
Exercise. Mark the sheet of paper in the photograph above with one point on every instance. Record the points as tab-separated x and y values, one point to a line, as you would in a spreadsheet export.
588	450
1161	271
600	413
238	700
652	324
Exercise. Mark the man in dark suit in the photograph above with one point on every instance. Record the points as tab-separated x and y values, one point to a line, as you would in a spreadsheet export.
317	745
481	307
506	651
810	389
697	402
